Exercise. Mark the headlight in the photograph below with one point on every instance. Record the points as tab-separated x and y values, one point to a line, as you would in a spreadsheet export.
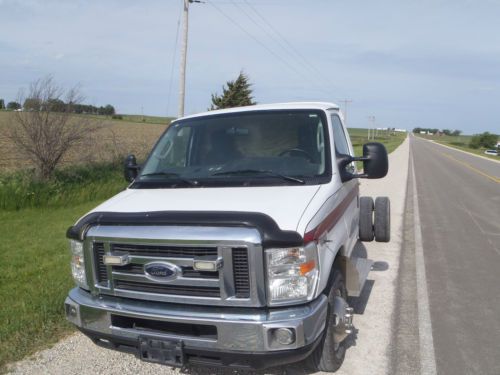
292	274
78	263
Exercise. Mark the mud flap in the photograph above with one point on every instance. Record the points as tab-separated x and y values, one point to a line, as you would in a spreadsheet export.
356	271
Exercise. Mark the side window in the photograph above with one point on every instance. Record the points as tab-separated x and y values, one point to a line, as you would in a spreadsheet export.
339	137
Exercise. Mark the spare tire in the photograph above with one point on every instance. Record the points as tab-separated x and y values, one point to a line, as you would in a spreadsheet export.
382	225
366	219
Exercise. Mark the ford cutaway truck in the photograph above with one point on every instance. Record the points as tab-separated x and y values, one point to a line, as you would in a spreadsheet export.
233	244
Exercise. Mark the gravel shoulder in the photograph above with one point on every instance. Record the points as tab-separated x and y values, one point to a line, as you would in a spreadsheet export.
370	344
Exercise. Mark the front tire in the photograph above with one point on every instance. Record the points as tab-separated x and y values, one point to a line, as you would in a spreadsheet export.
329	354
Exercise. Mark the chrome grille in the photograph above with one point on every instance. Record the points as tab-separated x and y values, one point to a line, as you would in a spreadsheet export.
198	291
241	273
138	269
101	269
239	281
164	251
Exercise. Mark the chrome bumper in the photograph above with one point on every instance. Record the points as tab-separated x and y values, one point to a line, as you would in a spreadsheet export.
237	329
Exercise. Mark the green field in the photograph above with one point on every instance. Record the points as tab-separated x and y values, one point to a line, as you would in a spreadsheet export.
459	142
391	140
34	278
34	258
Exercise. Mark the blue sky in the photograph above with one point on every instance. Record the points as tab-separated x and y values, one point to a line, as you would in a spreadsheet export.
408	63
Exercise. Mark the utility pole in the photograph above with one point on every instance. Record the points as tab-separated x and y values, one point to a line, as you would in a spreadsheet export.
346	102
372	120
182	79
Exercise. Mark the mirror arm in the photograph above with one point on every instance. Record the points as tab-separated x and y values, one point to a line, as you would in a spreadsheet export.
347	160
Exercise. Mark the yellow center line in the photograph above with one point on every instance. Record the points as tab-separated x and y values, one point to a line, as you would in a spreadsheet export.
492	178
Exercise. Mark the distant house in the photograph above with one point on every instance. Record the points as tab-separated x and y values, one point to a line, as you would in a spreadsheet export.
423	132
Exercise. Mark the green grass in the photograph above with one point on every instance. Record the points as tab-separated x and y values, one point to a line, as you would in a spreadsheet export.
359	137
148	119
34	278
460	142
69	186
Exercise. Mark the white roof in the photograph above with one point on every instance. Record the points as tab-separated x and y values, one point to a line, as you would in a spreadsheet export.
265	107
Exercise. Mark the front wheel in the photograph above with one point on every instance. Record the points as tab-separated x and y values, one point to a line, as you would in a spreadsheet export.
329	354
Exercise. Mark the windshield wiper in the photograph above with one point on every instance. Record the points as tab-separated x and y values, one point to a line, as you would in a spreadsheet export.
172	174
259	171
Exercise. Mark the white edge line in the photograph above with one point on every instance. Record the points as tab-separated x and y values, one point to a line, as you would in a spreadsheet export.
426	340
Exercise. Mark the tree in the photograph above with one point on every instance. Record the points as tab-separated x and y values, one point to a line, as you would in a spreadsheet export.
446	131
109	110
45	135
237	94
456	133
2	104
13	105
486	140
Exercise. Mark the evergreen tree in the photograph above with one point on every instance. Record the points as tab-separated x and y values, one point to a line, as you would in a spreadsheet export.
2	104
238	93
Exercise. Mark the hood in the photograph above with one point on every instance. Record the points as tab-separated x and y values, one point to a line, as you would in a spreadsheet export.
284	204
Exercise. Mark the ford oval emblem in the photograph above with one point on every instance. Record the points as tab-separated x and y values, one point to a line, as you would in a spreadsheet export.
160	271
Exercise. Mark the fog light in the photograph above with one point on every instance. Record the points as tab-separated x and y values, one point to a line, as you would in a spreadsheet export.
71	311
285	336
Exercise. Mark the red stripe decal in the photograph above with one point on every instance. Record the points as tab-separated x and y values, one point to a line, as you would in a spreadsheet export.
332	218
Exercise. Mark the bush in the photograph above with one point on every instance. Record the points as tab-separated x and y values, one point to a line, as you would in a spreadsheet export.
117	117
68	187
486	140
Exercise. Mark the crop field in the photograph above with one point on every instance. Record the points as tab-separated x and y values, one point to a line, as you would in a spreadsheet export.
115	139
133	134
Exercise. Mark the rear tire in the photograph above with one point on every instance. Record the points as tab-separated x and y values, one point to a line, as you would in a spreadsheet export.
329	354
382	225
366	219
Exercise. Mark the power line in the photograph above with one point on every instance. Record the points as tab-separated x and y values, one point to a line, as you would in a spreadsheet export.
285	62
294	50
173	61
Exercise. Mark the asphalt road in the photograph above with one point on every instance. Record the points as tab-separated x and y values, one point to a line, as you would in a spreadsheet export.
458	199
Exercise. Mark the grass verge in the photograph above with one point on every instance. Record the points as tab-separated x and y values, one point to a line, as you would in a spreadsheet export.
359	137
34	278
69	186
460	142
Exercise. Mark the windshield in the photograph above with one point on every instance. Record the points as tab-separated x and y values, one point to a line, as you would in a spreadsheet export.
261	148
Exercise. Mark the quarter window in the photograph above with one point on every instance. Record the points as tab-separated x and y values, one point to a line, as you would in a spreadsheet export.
341	145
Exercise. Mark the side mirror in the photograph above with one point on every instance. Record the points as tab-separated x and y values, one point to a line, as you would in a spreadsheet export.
375	162
130	168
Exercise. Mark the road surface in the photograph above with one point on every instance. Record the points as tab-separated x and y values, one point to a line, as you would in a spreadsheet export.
458	198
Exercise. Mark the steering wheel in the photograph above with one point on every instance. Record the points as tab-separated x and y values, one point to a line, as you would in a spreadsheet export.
298	152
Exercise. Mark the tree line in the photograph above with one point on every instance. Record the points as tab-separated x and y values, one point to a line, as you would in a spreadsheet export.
58	105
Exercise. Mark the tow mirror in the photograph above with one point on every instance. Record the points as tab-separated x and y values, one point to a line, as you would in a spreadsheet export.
375	162
130	168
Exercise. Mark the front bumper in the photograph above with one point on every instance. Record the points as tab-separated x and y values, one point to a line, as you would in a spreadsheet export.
225	336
